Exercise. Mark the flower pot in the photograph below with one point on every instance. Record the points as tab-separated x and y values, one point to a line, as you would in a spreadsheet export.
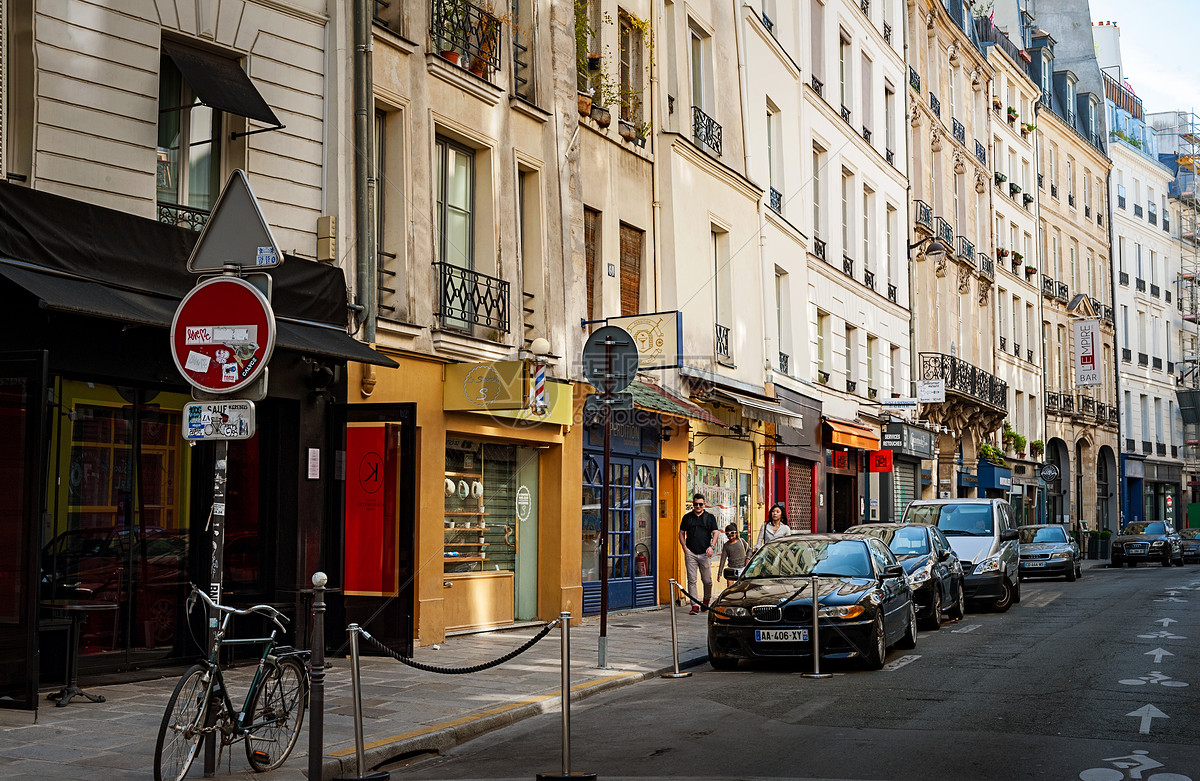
477	66
1030	271
585	104
451	56
601	115
627	130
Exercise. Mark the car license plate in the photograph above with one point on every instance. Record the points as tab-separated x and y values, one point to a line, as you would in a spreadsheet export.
1035	564
781	635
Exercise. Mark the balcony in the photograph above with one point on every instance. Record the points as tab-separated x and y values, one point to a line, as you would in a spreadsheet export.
1120	201
819	248
1123	277
1029	354
776	201
822	377
784	361
965	379
1147	448
1042	181
1003	344
1137	210
1143	359
945	232
1066	403
1130	445
767	23
1154	290
706	131
987	267
869	279
1106	315
1051	401
1101	412
1071	200
1166	223
1016	349
935	104
960	132
818	86
846	115
966	250
1062	293
1053	190
887	33
182	216
889	156
914	78
468	298
892	293
1126	355
1048	286
1087	405
865	6
1087	212
980	153
722	340
866	134
924	216
848	266
1099	217
467	29
1151	215
1140	284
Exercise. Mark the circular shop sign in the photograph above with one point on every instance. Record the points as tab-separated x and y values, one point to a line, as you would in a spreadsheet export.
1049	473
223	335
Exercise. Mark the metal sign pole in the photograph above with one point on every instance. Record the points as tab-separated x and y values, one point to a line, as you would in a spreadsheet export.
602	649
216	525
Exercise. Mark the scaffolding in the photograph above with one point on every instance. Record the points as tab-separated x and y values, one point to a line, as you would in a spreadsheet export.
1179	144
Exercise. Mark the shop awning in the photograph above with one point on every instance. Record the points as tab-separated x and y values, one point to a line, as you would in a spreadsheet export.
68	293
761	409
220	82
655	398
849	434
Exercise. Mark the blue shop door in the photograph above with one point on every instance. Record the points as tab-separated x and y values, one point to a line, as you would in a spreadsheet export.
630	560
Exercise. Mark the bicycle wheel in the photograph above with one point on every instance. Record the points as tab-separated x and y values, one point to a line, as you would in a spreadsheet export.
278	710
179	735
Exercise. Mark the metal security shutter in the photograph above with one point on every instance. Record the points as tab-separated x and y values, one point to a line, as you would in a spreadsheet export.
631	270
904	490
800	493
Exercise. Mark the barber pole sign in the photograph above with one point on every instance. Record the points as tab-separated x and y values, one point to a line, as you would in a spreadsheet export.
541	402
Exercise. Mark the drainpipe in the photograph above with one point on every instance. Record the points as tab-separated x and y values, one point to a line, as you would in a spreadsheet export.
657	122
364	180
1116	401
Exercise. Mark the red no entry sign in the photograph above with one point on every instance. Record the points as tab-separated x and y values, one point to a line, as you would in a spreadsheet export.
223	335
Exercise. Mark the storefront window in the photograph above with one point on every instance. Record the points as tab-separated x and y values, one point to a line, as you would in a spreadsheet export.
480	510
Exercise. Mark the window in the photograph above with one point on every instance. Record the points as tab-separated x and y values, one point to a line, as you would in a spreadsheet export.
1046	72
455	203
818	165
1070	177
850	362
1142	399
872	347
522	27
781	311
867	92
189	143
866	226
817	19
723	277
1141	325
591	252
700	74
847	182
844	66
889	116
893	272
391	296
632	243
1124	327
773	150
894	367
823	335
530	243
631	71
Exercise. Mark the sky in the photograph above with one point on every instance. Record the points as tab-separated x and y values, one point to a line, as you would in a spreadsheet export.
1158	39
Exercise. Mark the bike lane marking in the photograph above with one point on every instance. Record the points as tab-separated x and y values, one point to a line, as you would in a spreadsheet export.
1147	713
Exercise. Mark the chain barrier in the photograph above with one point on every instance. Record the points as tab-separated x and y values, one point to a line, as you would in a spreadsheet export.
429	668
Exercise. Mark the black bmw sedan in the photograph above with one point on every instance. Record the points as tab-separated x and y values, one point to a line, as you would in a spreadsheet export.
864	602
930	564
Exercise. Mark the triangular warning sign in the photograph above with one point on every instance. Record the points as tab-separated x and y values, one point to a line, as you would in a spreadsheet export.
236	232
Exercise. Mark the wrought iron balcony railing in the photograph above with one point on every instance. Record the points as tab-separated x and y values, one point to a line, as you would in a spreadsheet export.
914	78
966	250
1143	359
980	152
960	132
1156	363
966	379
1137	210
1112	414
1053	190
945	232
1016	349
767	23
1048	286
1126	355
1029	354
924	215
706	131
935	104
819	248
887	33
1066	403
1120	201
987	267
892	293
784	360
1140	284
183	216
866	134
1087	405
776	200
465	28
722	339
846	114
848	266
1106	314
1004	344
1051	401
817	85
869	278
1063	292
889	156
1154	290
468	298
1123	277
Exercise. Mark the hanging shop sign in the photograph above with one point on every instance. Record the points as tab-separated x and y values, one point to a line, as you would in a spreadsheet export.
484	387
223	335
658	337
880	461
1087	338
905	440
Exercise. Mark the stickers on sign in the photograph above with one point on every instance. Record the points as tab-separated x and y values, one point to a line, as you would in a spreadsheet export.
266	257
197	362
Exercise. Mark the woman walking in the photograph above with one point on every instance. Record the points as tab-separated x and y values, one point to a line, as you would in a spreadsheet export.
775	527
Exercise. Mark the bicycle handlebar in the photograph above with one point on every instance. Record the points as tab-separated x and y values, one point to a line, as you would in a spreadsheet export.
264	610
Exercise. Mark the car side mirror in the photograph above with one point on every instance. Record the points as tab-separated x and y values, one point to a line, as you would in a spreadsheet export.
1009	534
893	571
732	573
944	555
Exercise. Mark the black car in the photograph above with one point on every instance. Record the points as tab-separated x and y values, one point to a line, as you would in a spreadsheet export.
1046	550
1147	541
1189	544
930	564
864	600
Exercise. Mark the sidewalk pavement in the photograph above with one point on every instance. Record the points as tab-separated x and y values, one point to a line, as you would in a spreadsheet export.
404	709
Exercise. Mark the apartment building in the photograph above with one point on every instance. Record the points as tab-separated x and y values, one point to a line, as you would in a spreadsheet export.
1013	162
952	183
1077	322
1146	266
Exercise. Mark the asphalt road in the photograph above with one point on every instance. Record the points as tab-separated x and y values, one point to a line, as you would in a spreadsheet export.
1096	680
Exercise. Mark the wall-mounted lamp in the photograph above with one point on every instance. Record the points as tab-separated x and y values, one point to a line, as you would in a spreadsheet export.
936	251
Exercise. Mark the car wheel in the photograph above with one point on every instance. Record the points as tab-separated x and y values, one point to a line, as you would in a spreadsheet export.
721	662
1179	561
1005	600
1071	574
933	621
959	608
877	650
1167	561
1079	570
909	639
1017	592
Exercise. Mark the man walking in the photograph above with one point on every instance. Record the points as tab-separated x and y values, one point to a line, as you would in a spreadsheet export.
698	535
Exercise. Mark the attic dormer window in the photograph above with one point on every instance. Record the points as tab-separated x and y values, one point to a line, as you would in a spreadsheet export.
1046	76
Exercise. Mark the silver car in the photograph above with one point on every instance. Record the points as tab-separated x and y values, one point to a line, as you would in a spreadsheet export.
1046	550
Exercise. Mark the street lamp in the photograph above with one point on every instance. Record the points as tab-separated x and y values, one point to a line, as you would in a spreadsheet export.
937	249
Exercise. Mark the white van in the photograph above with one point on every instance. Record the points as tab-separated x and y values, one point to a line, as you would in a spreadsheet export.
983	533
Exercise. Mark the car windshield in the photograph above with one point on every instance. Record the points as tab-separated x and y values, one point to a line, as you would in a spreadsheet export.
903	540
1189	534
971	520
1042	534
1149	527
795	558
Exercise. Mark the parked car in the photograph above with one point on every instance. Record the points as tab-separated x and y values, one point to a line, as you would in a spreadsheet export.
1189	544
864	600
983	534
1147	541
932	567
1046	550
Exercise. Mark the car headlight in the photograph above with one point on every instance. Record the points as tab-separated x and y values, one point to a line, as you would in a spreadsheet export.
842	611
723	611
1158	543
988	565
919	576
1060	556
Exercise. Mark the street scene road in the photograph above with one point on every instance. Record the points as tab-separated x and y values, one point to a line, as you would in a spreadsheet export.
1093	680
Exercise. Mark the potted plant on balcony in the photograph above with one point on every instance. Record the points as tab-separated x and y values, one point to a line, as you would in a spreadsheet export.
997	103
991	455
1013	188
1001	252
1019	445
1006	437
1017	259
627	130
1000	178
1036	448
1012	114
1027	198
1027	128
1030	270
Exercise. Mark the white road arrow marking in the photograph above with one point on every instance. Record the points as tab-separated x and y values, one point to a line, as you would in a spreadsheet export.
967	628
1147	712
1164	634
1166	621
1158	654
903	660
1172	593
1171	599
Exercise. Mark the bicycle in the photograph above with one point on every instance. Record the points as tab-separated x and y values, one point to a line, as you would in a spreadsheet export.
270	718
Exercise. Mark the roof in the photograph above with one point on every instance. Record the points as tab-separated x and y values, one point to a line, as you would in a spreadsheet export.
655	398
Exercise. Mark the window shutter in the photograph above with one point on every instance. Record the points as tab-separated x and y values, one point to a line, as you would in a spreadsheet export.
631	270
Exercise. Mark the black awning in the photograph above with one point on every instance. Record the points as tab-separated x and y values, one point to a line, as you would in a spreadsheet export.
220	82
64	293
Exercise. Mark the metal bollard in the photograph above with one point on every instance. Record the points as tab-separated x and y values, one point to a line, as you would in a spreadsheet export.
316	677
564	625
674	637
816	640
356	692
